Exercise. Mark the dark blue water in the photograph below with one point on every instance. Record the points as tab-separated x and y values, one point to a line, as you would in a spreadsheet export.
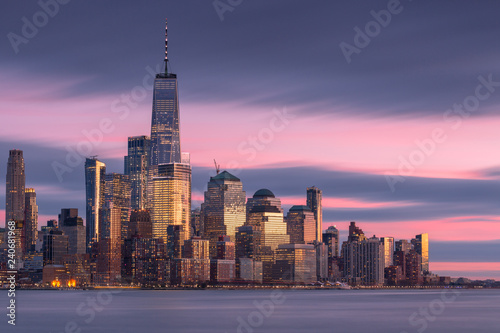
254	311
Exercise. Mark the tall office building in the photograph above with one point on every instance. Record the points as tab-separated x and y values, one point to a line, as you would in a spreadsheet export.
295	263
55	247
421	245
223	209
388	244
171	199
117	191
109	244
72	226
265	214
301	225
165	129
314	197
15	187
31	220
136	168
94	191
331	239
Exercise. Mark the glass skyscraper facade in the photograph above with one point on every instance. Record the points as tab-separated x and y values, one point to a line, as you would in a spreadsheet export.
223	210
314	201
165	132
421	245
117	191
95	171
15	187
136	168
31	220
301	225
171	199
388	244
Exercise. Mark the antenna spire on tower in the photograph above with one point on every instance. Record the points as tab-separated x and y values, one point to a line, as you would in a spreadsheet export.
166	48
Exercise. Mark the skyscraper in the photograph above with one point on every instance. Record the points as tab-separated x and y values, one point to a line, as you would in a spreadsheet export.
223	209
136	167
31	220
301	225
15	187
388	244
421	245
265	214
331	239
109	244
314	197
72	226
94	191
117	191
363	261
171	199
165	131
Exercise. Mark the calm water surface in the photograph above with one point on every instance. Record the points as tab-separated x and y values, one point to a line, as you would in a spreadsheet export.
254	311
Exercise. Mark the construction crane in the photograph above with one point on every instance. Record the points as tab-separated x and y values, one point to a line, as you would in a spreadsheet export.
217	167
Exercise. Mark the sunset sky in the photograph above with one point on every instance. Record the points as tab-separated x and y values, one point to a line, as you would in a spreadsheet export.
268	93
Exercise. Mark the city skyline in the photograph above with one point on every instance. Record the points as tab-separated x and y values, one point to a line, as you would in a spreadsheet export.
461	202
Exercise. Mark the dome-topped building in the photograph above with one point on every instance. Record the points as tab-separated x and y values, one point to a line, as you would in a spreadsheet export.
264	192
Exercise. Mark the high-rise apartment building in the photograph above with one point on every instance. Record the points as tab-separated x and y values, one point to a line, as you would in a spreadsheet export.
314	201
363	261
136	168
94	191
30	220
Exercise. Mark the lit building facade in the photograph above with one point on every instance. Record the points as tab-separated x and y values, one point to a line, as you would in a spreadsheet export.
363	261
223	209
117	191
31	220
95	171
301	225
314	202
295	263
171	199
388	244
421	245
136	165
72	226
331	239
15	187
